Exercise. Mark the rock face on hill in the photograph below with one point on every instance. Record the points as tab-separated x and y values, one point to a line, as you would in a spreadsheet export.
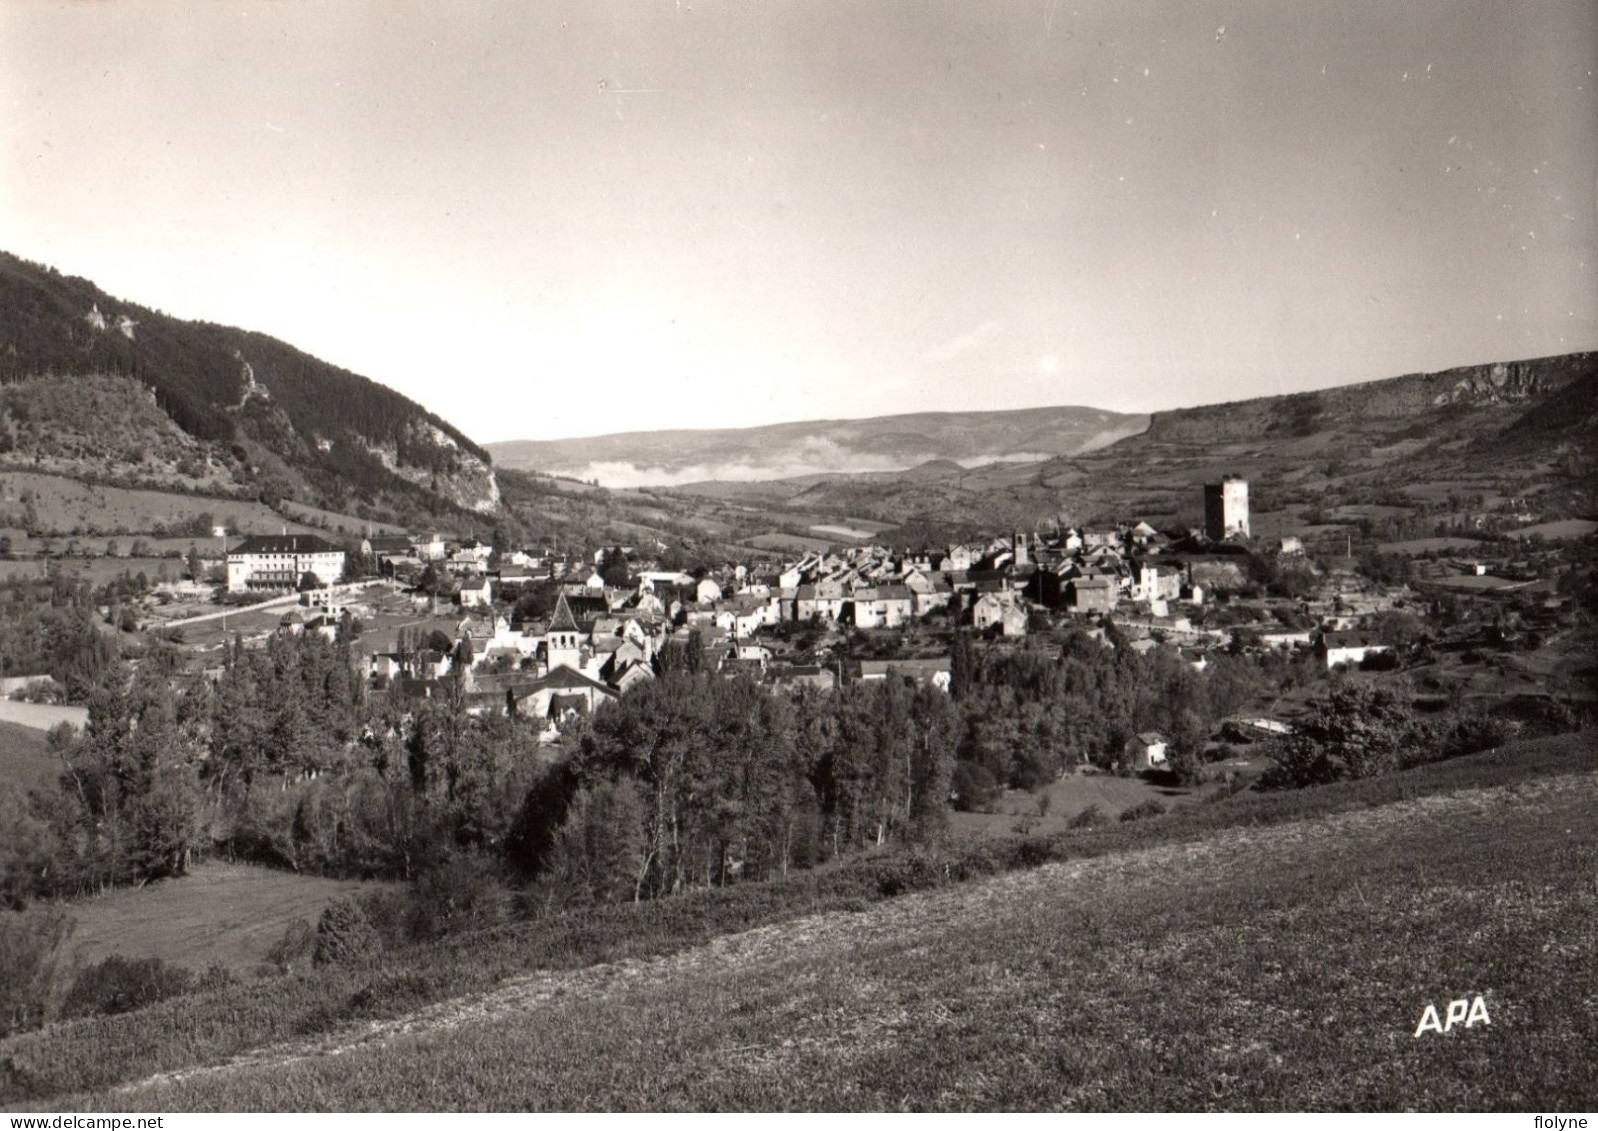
1423	401
1503	382
248	414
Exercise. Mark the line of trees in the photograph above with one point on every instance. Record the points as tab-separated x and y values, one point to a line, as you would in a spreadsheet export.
689	780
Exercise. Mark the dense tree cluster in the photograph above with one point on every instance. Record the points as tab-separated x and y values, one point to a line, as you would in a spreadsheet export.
49	626
1355	730
693	780
1026	716
689	780
281	760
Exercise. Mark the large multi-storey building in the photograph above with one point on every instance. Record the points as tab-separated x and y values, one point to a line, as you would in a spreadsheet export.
278	562
1226	508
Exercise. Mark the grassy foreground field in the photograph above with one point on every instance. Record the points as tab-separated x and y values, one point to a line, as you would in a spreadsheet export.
1260	952
1284	968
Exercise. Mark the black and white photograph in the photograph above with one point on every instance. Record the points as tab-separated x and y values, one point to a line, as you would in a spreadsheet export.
798	556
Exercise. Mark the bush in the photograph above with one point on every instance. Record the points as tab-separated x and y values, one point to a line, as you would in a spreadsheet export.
121	985
1088	818
389	912
40	691
30	952
1356	730
1472	733
344	937
1231	785
1149	808
908	871
464	893
215	977
974	787
294	948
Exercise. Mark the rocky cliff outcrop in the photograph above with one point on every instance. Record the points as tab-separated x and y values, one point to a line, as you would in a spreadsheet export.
1502	382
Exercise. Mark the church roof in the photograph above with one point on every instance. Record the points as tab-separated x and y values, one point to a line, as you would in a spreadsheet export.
562	620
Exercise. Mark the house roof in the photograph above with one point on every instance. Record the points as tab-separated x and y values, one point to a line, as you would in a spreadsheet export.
905	667
284	544
1151	738
1352	640
564	679
881	593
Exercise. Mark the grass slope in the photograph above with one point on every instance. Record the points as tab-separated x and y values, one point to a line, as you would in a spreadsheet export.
41	717
1283	968
339	1005
62	505
25	758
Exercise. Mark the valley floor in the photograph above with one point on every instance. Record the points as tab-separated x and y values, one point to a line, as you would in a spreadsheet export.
1259	968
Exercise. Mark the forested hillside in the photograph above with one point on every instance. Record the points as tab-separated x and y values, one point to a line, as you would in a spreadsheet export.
288	424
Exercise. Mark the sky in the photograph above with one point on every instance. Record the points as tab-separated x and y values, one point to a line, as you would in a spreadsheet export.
544	220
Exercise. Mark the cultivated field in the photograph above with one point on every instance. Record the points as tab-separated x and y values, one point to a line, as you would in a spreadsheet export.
338	523
792	543
41	716
1567	528
99	571
1287	967
65	505
220	914
1416	546
1071	795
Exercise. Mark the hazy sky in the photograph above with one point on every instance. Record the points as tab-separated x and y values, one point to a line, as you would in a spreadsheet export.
546	219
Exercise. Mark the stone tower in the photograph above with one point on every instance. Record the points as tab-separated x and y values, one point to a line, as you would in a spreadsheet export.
1226	508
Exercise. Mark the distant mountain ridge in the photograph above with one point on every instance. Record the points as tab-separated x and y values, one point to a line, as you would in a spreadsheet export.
257	416
811	447
1395	432
1416	397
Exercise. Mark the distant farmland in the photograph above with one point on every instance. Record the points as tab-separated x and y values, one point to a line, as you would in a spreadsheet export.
1568	528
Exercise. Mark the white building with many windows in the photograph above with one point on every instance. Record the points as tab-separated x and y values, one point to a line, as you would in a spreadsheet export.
278	562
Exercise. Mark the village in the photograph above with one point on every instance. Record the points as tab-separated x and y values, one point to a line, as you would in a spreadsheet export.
551	636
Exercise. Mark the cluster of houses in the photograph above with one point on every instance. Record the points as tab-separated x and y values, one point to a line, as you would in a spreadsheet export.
600	638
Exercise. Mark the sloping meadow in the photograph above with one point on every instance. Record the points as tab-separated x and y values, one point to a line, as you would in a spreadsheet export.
1273	951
